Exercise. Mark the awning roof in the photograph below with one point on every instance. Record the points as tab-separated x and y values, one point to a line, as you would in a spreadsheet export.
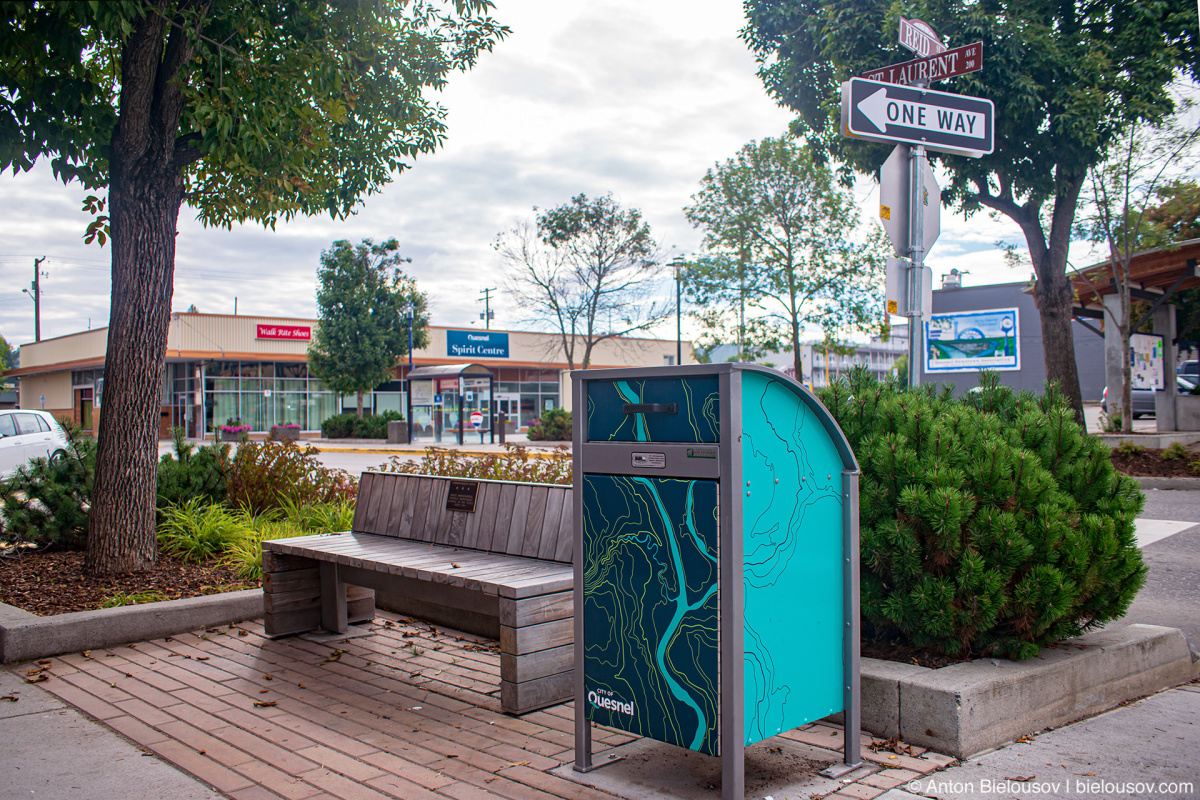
448	371
1152	273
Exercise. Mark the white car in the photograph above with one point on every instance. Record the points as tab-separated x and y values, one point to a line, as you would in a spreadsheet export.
26	434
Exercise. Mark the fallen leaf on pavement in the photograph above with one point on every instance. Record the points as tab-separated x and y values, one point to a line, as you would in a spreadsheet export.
265	703
1020	779
12	697
38	679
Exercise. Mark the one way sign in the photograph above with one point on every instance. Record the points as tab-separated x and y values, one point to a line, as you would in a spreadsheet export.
885	112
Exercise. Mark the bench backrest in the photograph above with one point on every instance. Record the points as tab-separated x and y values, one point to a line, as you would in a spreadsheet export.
519	519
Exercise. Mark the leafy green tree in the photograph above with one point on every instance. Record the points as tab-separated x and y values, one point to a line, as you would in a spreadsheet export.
6	363
1065	78
363	330
587	270
1120	194
779	240
248	111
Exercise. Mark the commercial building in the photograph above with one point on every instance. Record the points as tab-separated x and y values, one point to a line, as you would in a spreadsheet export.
255	369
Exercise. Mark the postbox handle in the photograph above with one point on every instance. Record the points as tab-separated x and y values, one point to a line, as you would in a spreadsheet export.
652	408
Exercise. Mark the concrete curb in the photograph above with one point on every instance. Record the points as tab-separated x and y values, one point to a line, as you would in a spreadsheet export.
24	636
1148	482
965	709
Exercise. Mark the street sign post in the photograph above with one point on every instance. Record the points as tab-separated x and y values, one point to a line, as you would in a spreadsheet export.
936	67
899	274
895	194
887	112
919	37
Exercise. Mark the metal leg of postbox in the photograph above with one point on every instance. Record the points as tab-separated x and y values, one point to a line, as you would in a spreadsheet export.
851	692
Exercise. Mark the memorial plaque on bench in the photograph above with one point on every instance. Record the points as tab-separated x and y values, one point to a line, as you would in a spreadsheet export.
462	495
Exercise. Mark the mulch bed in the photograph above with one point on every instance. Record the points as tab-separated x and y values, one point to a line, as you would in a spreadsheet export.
53	583
1150	463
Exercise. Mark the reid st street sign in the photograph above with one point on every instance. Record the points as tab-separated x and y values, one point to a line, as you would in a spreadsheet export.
919	37
939	66
887	112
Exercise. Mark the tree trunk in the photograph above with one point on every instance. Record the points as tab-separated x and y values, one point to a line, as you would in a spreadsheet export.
145	193
360	403
1055	298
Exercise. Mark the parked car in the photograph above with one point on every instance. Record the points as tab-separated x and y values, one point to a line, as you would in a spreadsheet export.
25	435
1190	370
1143	399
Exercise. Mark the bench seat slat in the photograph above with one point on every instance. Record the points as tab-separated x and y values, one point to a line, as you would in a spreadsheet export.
426	562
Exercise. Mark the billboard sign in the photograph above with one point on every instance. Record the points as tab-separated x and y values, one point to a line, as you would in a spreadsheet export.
970	341
476	344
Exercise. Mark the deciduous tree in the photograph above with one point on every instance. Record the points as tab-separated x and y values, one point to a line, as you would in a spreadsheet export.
246	111
1065	78
780	239
1121	204
587	270
363	330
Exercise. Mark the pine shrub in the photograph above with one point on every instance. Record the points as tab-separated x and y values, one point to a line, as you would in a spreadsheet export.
989	525
192	472
46	503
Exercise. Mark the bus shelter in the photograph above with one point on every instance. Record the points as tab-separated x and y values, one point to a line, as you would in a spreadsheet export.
442	401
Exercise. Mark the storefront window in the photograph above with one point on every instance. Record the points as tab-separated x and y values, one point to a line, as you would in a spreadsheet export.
290	408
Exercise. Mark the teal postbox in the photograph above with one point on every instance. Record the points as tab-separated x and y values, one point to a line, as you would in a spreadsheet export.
716	560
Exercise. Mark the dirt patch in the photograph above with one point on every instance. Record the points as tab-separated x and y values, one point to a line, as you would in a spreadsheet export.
53	583
1150	463
892	651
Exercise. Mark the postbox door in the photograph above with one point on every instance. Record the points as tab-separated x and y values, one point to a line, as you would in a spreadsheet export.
651	622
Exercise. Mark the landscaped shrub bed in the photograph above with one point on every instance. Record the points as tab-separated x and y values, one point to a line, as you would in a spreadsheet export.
352	426
990	525
516	463
215	510
554	426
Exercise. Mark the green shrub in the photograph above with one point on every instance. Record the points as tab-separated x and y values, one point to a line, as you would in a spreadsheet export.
192	472
46	503
554	426
123	598
991	525
1175	452
516	463
352	426
197	530
1128	448
264	475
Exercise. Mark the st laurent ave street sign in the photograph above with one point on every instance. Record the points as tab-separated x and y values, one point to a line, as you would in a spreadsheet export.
939	66
886	112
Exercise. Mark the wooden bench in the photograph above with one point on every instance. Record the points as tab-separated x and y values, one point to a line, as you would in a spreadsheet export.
503	570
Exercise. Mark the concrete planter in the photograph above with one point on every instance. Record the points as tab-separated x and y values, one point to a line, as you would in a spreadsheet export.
397	432
281	433
1187	412
965	709
24	635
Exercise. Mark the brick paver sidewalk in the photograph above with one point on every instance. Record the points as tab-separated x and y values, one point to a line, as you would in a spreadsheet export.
409	711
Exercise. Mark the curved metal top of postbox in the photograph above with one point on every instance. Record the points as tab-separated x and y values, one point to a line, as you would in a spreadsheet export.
679	404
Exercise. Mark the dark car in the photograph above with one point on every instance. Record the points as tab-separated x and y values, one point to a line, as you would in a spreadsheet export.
1143	399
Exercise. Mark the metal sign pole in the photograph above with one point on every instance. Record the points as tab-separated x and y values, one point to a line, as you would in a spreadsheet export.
916	249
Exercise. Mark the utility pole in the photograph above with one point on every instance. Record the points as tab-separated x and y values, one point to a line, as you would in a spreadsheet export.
37	298
488	315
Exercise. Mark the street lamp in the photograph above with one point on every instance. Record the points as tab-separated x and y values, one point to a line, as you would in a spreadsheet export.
678	265
410	312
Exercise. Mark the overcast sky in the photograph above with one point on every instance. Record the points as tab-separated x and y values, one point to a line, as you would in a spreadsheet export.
633	98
